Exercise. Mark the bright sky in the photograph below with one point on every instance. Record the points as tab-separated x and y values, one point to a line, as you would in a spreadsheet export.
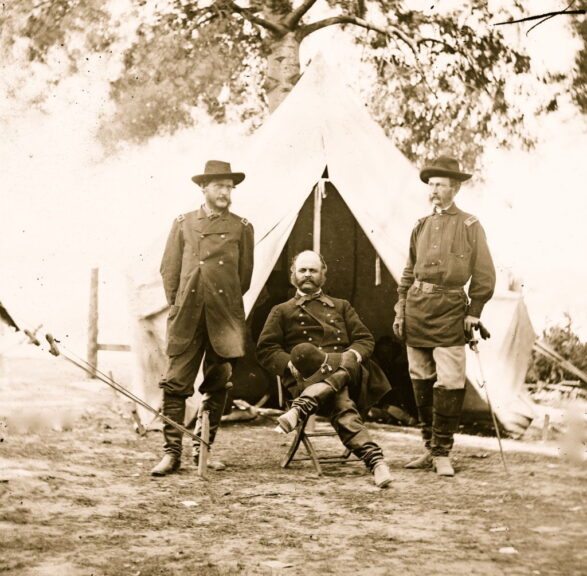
64	210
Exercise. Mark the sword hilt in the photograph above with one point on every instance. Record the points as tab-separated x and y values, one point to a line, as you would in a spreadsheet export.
53	348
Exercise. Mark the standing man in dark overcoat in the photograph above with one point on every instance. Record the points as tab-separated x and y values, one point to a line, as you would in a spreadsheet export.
206	268
434	314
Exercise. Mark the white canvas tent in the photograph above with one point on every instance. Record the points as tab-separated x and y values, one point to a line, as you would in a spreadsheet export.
322	124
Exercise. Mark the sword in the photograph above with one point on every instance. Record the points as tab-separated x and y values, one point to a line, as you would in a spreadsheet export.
93	370
483	384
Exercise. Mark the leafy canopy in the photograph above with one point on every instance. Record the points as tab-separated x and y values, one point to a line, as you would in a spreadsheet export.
439	79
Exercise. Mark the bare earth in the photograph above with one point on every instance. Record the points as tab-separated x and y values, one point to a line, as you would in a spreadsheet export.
76	498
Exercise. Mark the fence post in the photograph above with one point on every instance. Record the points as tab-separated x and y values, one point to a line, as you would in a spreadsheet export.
93	323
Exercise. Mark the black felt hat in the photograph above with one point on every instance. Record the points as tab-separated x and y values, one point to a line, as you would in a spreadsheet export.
313	364
217	170
446	166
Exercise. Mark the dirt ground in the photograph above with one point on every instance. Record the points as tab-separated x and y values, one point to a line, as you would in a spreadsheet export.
76	499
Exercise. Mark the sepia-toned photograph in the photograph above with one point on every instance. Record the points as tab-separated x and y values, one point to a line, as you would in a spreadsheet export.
293	287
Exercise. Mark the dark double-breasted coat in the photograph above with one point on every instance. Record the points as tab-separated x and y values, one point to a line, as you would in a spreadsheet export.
332	325
206	268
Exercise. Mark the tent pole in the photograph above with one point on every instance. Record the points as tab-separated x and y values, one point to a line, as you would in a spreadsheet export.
317	225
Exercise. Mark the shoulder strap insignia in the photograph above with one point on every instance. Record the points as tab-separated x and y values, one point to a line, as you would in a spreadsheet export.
245	221
181	218
471	220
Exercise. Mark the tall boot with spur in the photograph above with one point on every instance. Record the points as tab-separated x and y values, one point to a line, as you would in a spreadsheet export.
424	398
174	409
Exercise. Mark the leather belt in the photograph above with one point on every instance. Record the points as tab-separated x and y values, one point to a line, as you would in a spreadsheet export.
427	287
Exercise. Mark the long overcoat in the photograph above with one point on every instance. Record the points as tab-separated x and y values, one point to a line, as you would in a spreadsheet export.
206	268
332	325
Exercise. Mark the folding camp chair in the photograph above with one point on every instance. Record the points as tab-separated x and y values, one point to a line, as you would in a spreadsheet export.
305	432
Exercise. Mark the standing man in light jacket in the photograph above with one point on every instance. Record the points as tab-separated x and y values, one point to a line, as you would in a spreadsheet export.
206	268
434	315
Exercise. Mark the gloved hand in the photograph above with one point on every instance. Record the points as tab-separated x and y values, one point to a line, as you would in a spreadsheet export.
471	322
399	322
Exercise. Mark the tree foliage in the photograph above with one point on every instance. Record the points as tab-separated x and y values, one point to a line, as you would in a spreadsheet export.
441	79
561	339
579	89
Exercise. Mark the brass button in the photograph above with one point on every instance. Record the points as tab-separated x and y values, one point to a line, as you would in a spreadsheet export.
221	262
201	262
220	291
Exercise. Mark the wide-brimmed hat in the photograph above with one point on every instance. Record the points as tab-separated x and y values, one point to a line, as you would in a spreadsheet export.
446	166
313	364
217	170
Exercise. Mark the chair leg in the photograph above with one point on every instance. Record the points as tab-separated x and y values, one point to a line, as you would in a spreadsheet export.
293	448
205	432
312	453
302	436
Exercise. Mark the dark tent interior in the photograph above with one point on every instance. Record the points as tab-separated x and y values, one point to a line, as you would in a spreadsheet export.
354	273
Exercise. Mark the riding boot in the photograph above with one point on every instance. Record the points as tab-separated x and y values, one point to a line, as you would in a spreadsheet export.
448	406
311	400
372	456
174	409
424	399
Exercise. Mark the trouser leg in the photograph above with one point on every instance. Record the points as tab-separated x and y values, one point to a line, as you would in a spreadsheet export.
177	386
449	396
348	423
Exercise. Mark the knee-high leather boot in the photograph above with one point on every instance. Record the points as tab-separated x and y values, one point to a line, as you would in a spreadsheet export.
312	399
424	400
173	408
448	406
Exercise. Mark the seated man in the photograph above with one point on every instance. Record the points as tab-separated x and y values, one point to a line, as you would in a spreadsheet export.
333	326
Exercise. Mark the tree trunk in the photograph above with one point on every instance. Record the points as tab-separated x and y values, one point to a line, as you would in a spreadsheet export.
283	68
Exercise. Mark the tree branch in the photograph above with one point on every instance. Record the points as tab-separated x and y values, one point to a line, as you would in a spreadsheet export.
446	45
296	15
545	16
254	19
388	31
